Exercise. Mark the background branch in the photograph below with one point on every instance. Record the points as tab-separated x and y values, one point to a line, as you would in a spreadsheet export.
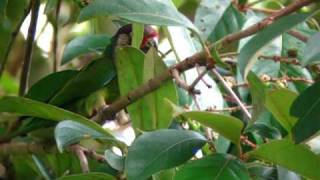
35	4
14	35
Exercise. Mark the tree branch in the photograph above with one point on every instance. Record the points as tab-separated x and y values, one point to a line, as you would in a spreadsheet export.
25	148
55	38
190	62
14	35
35	4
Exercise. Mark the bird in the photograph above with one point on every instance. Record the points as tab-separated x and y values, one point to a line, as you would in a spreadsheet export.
88	106
123	37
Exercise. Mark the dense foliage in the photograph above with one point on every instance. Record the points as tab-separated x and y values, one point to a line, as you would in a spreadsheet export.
231	91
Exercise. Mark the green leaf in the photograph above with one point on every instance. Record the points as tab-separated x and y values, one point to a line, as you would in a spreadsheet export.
208	15
218	167
3	6
257	89
95	176
311	52
155	12
83	45
8	84
278	102
129	64
159	150
48	86
70	132
50	6
28	107
157	112
251	49
294	157
218	122
137	36
307	108
91	78
216	19
167	174
115	161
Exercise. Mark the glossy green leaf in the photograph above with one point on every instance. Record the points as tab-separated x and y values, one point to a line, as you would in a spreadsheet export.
114	160
294	157
167	174
283	173
48	86
218	167
208	15
307	108
137	34
129	64
218	122
162	13
159	150
83	45
91	78
93	175
28	107
157	113
257	90
251	49
278	102
259	171
311	52
215	19
70	132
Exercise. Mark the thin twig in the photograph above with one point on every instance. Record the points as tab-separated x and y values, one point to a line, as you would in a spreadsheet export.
286	60
279	79
246	141
199	74
228	109
231	92
55	38
182	84
200	77
79	151
29	47
14	35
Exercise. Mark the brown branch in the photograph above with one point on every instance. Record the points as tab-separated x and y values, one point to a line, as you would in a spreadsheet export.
298	35
263	10
286	60
246	141
25	148
265	22
14	35
29	47
190	62
280	79
80	152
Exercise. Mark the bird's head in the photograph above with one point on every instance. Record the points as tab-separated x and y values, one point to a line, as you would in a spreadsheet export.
150	36
124	37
